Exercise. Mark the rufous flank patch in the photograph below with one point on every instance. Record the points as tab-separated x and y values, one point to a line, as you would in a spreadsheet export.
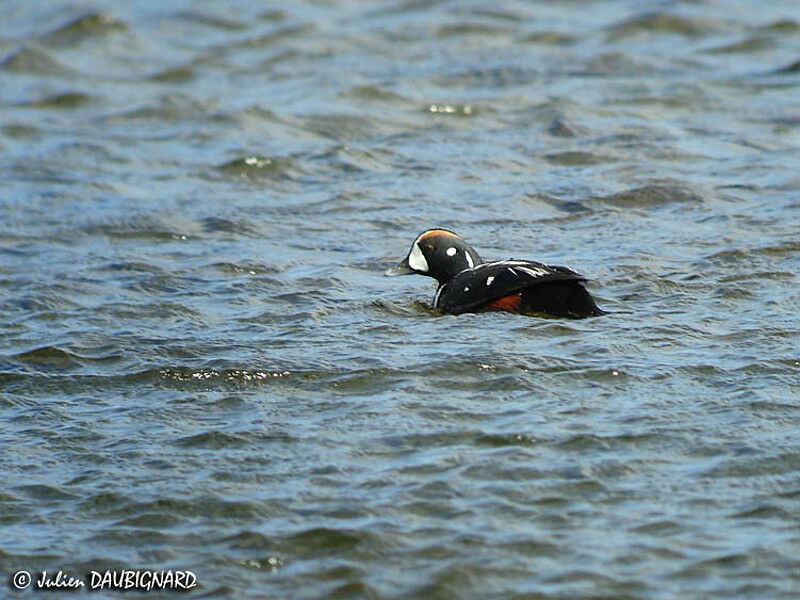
510	303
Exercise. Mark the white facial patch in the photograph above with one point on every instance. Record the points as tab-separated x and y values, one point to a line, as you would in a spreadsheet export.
470	262
416	260
489	280
451	251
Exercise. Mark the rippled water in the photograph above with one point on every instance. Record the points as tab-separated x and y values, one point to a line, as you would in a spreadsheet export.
202	368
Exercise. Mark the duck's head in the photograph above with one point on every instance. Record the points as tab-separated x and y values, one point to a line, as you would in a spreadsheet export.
437	253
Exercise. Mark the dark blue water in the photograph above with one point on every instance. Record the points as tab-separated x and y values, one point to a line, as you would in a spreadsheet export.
202	367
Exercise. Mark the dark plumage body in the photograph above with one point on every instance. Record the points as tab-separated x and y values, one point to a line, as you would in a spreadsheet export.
468	284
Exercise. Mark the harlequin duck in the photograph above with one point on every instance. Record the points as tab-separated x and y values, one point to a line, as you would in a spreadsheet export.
468	284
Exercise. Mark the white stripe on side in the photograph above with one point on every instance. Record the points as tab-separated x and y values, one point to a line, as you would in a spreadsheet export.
534	272
436	298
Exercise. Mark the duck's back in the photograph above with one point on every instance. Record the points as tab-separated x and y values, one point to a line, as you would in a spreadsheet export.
517	286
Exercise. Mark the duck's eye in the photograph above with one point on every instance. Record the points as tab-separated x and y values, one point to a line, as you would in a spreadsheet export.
451	251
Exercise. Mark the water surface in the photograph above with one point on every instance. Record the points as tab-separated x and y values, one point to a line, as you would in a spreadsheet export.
201	366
